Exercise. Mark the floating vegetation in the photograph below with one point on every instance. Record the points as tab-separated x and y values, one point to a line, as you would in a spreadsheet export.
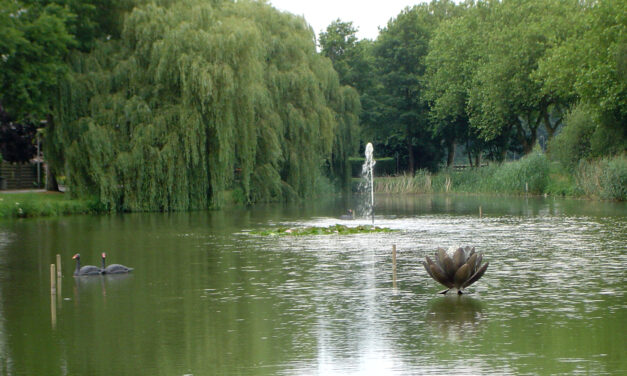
315	230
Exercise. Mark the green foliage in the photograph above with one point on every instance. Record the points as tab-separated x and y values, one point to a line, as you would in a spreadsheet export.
420	182
22	205
604	178
197	99
401	122
529	174
590	65
34	41
573	142
531	171
584	137
561	182
314	230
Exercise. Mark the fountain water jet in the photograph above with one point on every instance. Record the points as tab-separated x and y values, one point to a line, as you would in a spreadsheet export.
367	174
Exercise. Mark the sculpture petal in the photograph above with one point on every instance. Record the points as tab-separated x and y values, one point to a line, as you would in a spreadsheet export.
458	258
427	268
440	256
438	275
472	263
461	276
475	277
449	268
478	262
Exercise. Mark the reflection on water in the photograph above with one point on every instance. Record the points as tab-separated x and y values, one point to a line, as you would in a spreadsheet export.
207	298
455	317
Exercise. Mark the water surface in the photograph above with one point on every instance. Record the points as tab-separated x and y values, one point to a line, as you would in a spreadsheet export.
207	297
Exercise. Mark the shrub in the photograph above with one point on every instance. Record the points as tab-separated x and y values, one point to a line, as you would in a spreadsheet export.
604	178
531	171
573	142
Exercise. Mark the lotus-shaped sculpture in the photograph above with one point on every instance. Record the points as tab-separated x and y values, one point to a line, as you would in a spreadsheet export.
459	271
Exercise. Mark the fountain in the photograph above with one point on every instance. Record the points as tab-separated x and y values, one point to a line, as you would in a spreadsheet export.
367	184
456	269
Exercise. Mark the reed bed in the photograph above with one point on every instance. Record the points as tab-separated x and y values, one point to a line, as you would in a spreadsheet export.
604	179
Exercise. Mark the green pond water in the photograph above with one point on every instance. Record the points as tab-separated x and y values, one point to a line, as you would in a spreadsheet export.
209	298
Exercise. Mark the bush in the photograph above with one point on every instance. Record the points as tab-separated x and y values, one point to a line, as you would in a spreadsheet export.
614	179
604	178
531	171
573	142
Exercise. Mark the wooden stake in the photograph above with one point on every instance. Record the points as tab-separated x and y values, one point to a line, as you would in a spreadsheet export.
480	213
53	312
58	265
53	279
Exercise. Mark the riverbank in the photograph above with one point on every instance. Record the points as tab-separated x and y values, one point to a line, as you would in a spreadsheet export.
603	179
39	203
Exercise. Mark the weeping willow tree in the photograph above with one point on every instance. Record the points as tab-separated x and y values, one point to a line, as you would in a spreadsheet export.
200	97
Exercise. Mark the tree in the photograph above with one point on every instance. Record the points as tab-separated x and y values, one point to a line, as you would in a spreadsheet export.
199	98
451	63
338	43
400	52
34	42
590	67
505	97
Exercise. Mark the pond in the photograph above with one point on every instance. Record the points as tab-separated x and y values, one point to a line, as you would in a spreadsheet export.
207	297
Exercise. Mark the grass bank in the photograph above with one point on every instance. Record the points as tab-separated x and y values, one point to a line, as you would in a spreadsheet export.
43	204
604	179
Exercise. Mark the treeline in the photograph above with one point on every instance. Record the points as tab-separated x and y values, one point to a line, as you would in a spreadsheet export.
188	100
176	104
491	76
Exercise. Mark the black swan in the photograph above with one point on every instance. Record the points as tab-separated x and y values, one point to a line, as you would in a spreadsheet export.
114	268
85	270
459	271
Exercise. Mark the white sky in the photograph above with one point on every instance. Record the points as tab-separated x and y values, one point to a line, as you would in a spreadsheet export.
367	15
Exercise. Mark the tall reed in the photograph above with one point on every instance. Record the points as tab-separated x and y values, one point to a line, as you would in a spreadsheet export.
604	178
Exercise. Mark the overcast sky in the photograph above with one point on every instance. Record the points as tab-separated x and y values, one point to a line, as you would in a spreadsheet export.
367	16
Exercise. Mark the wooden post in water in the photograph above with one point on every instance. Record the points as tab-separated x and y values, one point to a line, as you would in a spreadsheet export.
480	213
53	312
58	265
53	279
394	266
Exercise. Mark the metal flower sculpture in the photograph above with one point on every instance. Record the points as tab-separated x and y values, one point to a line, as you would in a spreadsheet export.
459	271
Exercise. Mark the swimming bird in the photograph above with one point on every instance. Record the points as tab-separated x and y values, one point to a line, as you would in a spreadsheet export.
85	270
459	271
114	268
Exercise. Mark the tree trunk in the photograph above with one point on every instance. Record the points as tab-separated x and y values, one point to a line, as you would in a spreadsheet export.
522	138
469	153
410	155
51	181
451	152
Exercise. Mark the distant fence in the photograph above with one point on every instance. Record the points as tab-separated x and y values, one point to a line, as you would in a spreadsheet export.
18	175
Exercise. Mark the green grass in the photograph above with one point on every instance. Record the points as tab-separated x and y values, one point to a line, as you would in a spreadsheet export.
36	204
314	230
